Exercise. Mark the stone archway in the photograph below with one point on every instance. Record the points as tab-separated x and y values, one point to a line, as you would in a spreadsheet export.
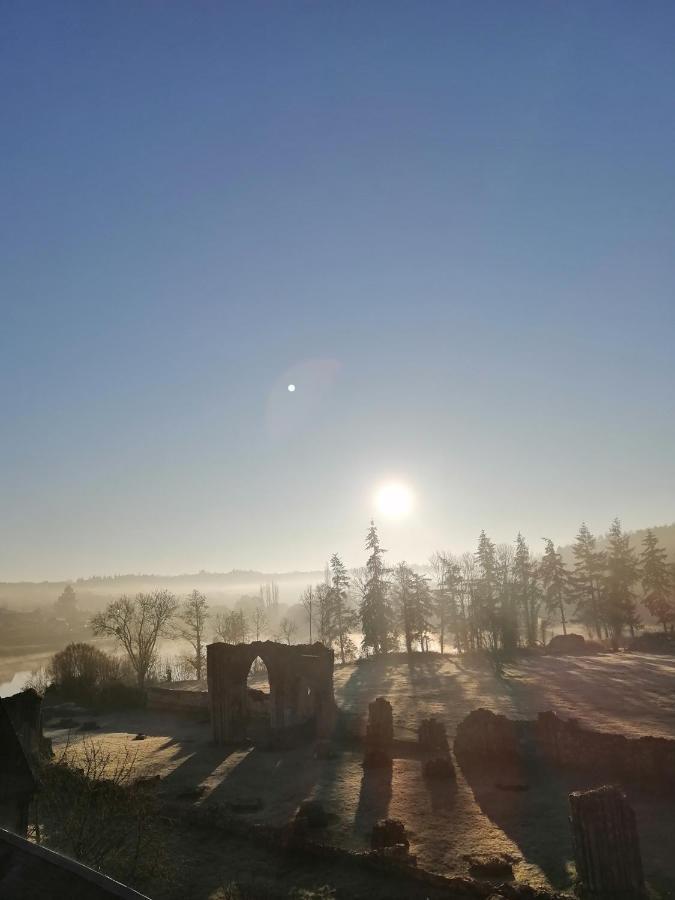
301	688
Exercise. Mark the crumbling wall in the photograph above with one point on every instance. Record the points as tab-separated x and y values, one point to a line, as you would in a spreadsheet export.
647	760
484	736
301	687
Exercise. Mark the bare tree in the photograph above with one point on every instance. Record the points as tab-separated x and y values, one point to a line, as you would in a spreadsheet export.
137	624
288	629
232	627
193	615
259	621
307	600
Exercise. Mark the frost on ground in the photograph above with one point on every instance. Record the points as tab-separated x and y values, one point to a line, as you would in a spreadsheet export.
630	693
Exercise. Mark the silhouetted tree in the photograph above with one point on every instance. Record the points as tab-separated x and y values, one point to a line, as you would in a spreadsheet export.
486	590
308	604
342	615
657	580
622	573
377	619
258	621
526	589
448	601
586	581
193	614
137	624
66	605
555	581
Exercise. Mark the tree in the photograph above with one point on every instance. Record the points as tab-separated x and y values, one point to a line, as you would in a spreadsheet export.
193	615
66	605
137	624
526	589
82	667
423	609
343	617
507	599
555	581
403	597
269	596
657	581
622	573
232	627
288	629
486	589
589	566
259	621
323	613
377	619
307	600
448	602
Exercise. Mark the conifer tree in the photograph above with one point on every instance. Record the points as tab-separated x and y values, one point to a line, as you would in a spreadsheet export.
448	602
586	581
423	607
555	582
486	590
377	620
343	617
621	575
526	589
657	581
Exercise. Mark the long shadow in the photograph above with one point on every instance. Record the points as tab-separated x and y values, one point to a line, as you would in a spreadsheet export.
374	799
531	807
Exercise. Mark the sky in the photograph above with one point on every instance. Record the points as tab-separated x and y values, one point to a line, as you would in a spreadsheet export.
450	225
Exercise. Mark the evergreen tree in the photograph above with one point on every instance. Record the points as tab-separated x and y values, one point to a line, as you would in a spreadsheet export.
405	606
447	602
423	607
507	597
657	581
486	591
555	582
589	565
66	605
377	620
622	573
526	589
342	615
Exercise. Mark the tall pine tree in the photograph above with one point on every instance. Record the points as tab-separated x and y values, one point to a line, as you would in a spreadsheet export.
621	575
342	615
555	581
657	581
377	618
589	566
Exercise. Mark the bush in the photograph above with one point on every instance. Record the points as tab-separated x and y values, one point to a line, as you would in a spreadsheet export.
87	675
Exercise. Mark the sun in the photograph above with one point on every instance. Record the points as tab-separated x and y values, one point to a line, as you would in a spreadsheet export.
394	500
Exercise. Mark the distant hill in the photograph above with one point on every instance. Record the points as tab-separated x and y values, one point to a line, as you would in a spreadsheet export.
220	587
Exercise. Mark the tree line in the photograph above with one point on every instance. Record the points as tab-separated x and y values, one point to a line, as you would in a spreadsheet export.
498	598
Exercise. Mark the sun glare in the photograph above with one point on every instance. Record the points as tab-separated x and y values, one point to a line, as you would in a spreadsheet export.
394	500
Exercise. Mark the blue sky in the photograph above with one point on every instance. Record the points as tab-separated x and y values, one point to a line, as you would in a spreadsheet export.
450	224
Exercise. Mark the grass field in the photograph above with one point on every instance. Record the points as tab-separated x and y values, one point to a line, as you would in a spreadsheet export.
630	693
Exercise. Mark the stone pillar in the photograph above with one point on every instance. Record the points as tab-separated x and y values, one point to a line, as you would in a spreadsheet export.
379	734
606	845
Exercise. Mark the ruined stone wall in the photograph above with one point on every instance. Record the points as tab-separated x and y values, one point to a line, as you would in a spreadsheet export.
647	760
174	700
301	686
486	737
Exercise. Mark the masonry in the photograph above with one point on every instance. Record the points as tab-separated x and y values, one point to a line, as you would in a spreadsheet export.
301	688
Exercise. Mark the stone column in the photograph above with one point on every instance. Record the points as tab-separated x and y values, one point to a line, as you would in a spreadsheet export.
606	845
379	734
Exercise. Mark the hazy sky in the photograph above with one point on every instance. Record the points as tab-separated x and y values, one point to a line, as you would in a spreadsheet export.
450	224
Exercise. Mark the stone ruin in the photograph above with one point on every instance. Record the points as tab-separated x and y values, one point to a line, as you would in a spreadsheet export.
606	845
301	690
379	735
485	737
18	781
432	741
